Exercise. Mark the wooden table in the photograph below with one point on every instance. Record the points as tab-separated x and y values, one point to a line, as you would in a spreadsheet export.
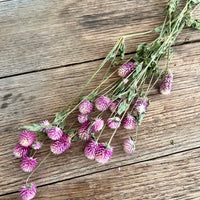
48	49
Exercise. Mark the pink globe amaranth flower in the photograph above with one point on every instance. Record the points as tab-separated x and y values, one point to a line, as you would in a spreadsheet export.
103	153
98	125
86	107
82	118
129	146
28	164
103	103
37	145
54	133
113	106
90	149
46	126
59	146
140	105
28	191
126	69
20	151
129	122
113	122
84	132
166	85
26	138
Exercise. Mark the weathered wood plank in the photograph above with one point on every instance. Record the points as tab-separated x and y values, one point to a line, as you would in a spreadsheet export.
44	34
172	177
34	97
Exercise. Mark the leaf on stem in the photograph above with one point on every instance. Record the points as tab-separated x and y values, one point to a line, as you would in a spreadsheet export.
33	127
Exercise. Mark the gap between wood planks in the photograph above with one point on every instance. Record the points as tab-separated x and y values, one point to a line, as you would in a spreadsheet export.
88	61
100	171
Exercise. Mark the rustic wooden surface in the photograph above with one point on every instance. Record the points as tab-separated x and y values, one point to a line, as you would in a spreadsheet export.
48	49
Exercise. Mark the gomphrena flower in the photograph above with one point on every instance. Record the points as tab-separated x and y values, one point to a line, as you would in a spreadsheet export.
28	191
103	153
140	105
129	146
46	125
103	103
82	118
20	151
98	124
113	122
166	85
129	122
126	69
37	145
85	131
86	107
28	164
113	106
26	138
54	133
90	149
59	146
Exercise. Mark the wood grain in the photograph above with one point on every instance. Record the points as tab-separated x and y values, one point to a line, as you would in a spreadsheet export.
175	177
45	34
36	96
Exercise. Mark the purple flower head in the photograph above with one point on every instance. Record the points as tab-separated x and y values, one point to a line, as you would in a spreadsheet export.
86	107
82	118
20	151
54	133
98	124
126	69
102	103
37	145
114	105
28	164
90	149
26	138
85	131
103	153
140	105
129	122
28	191
129	146
166	85
113	122
59	146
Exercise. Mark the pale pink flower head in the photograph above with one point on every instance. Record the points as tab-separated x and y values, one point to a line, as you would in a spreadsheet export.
26	138
113	122
59	146
86	107
85	131
129	122
126	69
37	145
90	149
28	164
46	125
129	146
103	103
55	133
20	151
166	85
28	191
103	153
98	124
140	105
82	118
